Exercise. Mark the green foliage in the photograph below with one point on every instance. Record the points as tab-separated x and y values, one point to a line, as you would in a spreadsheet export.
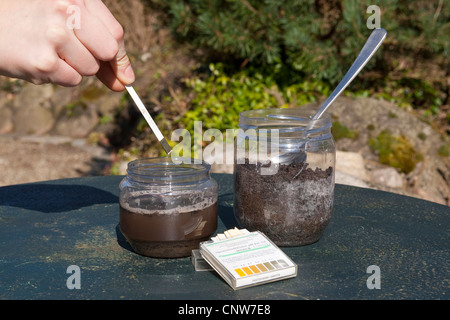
395	151
444	150
318	40
221	97
262	32
73	109
412	92
306	33
93	92
340	131
422	136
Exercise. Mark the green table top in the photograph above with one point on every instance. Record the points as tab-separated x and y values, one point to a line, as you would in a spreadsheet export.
46	227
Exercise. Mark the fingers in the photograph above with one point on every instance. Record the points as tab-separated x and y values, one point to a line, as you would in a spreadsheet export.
94	47
72	51
65	75
107	75
119	71
95	36
51	68
101	12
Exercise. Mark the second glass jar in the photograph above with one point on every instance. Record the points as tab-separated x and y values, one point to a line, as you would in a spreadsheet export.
284	174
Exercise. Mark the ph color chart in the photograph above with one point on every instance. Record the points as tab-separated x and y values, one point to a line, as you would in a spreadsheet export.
248	260
261	267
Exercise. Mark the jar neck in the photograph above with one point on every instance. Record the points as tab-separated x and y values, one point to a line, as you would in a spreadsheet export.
168	171
288	125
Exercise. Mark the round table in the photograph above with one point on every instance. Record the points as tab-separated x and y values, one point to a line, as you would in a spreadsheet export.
60	240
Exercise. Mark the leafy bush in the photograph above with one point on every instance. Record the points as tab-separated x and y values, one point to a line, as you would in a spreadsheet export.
285	53
221	97
318	37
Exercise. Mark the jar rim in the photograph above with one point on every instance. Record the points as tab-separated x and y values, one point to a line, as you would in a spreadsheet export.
168	169
296	119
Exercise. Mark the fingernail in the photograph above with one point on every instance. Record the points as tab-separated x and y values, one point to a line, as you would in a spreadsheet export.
129	74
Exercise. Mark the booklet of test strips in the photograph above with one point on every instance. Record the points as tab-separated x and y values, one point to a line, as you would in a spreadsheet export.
245	259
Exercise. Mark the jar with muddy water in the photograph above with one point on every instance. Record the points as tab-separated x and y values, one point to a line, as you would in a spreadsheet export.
167	206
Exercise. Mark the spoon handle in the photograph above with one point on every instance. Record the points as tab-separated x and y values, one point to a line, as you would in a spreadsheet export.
370	47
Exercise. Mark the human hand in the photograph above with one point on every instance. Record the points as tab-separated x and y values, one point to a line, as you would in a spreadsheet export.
60	41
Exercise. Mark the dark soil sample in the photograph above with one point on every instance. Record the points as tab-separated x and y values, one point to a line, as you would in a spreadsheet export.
292	207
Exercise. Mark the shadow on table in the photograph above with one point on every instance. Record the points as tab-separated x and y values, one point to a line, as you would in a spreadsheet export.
50	198
121	240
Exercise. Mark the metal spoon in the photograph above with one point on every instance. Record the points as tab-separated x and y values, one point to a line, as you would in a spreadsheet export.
370	47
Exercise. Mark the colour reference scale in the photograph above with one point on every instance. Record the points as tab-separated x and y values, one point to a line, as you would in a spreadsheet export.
245	259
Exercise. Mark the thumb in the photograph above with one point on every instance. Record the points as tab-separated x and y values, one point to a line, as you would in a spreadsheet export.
121	66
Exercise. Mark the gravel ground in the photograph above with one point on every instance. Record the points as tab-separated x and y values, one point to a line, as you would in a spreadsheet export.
31	159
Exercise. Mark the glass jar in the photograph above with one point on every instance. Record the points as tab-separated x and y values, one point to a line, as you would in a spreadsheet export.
167	206
284	171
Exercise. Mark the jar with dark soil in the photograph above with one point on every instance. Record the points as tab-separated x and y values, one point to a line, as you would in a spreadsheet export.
167	206
284	174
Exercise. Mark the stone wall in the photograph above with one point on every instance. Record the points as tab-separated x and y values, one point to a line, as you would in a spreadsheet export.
368	117
48	109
